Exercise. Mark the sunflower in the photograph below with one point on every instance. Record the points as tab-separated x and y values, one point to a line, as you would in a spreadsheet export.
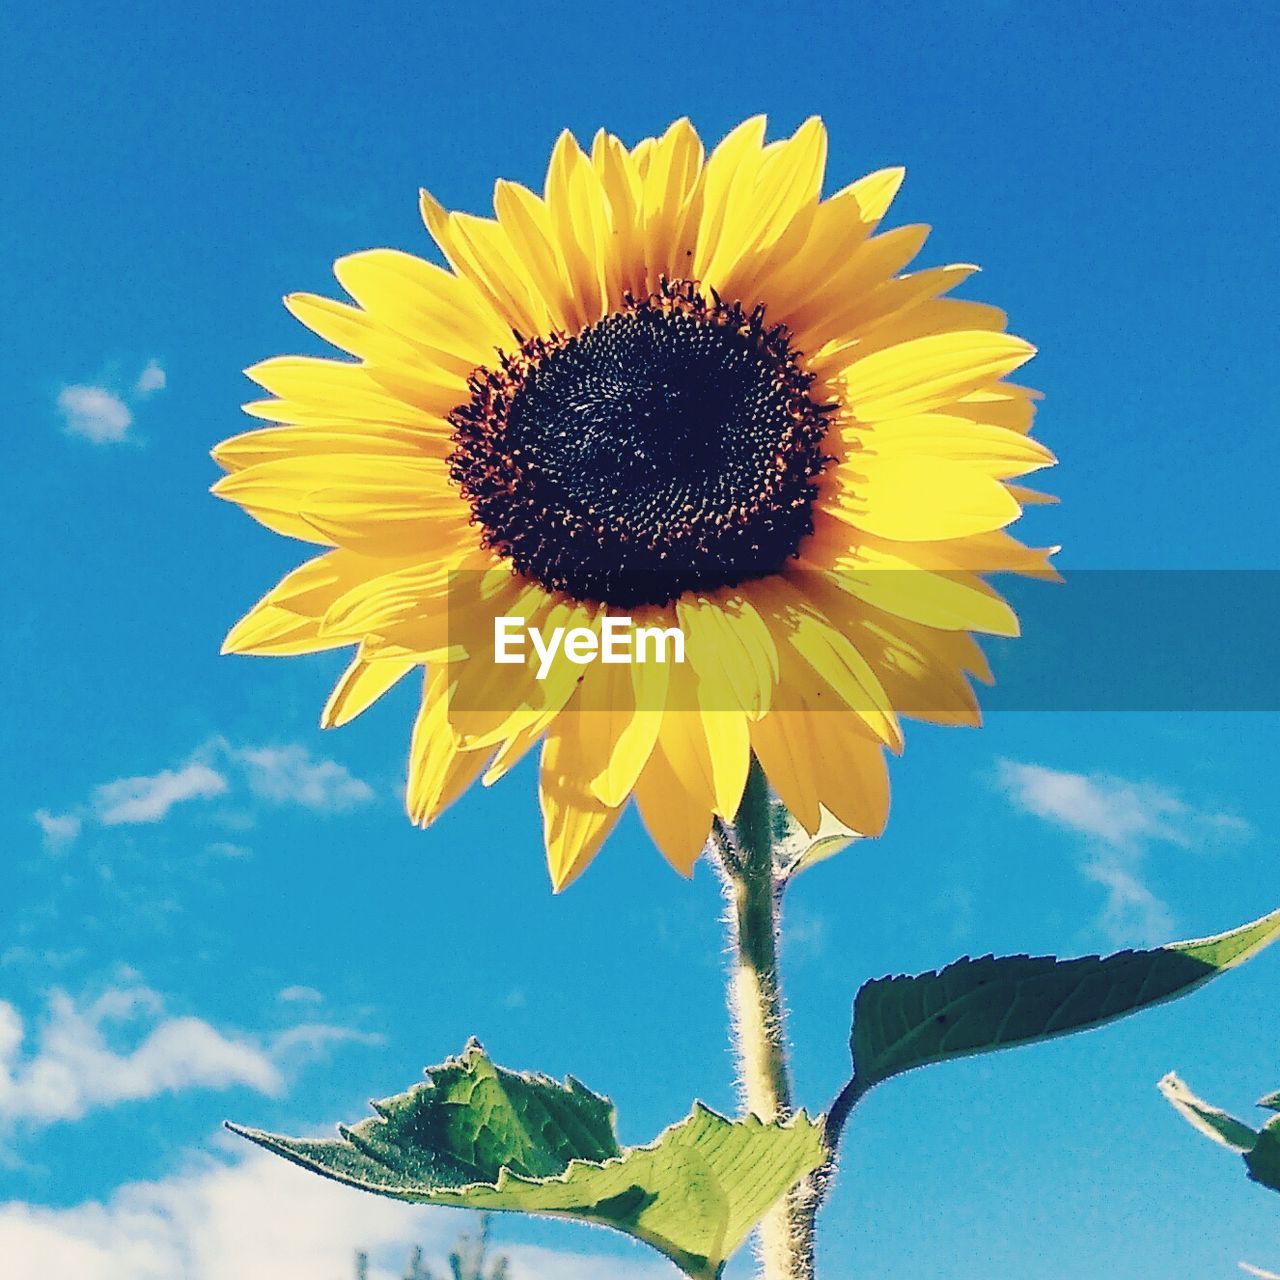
680	388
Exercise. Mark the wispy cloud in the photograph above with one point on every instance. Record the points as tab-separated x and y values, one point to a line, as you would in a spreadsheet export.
129	801
227	849
102	414
278	775
299	995
70	1065
1119	821
59	829
255	1215
94	413
289	775
806	934
151	379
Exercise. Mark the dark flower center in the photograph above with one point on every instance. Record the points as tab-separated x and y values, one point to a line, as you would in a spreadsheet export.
670	447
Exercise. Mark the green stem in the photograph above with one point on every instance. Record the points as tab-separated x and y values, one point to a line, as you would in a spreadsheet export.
753	891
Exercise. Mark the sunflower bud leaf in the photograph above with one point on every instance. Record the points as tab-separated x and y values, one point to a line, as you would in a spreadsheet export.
476	1136
996	1002
796	850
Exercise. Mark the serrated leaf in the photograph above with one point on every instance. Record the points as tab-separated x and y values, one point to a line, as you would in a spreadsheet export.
977	1006
477	1136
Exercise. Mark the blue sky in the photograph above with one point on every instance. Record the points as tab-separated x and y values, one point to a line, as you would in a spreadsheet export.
249	928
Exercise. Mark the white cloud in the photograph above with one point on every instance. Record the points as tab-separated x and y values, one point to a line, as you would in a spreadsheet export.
150	380
149	799
289	775
74	1070
299	995
806	933
280	775
256	1218
1132	913
71	1066
1119	821
96	414
226	849
59	829
312	1038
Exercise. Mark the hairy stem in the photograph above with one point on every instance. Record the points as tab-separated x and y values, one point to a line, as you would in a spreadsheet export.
753	891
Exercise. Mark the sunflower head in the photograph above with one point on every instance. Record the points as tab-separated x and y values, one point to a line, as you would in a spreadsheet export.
684	389
670	446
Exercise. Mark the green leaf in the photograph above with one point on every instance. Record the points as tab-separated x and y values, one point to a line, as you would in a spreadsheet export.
977	1006
1260	1149
1212	1121
477	1136
1263	1161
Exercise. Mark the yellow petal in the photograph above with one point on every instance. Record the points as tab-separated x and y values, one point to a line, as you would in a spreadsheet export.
887	302
949	600
795	743
730	650
388	521
409	603
1001	404
378	506
917	670
831	310
286	620
871	196
917	499
775	217
513	750
850	774
481	251
439	771
675	806
927	319
623	189
360	686
837	661
575	823
490	700
423	302
1031	497
672	183
630	699
924	374
315	390
361	335
998	451
982	553
527	221
576	206
727	184
838	227
784	741
268	444
269	631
